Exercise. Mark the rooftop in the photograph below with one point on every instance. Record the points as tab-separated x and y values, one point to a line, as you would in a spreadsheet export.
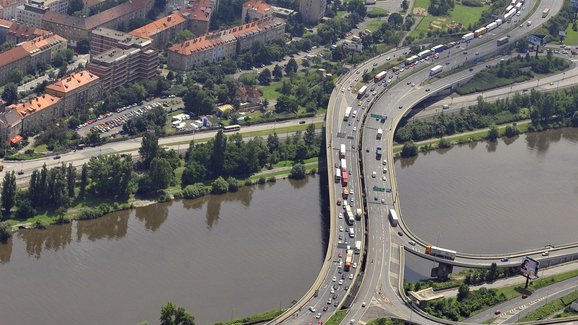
213	39
259	5
43	42
34	105
5	24
72	82
13	55
97	20
7	3
199	10
113	55
26	31
122	38
157	26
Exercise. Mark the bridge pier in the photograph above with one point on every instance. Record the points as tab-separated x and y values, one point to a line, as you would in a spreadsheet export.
442	271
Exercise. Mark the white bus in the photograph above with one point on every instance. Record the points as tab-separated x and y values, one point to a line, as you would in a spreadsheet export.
231	128
393	218
350	216
347	113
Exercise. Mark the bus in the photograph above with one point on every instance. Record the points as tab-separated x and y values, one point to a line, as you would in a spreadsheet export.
393	218
350	217
347	113
379	77
503	40
337	175
232	128
440	252
361	92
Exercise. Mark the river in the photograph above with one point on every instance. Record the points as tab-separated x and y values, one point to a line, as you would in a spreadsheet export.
220	257
512	195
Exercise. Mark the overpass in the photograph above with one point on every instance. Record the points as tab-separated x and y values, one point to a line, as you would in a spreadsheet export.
383	265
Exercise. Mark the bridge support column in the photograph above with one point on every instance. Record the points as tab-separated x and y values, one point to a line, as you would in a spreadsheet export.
442	271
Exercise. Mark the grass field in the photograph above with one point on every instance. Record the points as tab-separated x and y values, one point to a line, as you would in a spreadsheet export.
377	12
336	318
270	91
460	14
550	308
374	24
487	81
571	36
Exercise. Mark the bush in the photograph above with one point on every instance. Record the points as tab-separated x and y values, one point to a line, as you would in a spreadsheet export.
444	143
5	232
248	182
313	171
272	179
298	171
195	191
233	184
219	186
261	180
89	213
39	224
409	149
472	3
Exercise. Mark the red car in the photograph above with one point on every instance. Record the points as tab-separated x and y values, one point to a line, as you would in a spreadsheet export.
340	254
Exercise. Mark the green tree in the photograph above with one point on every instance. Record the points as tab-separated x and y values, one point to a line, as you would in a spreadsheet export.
198	101
5	232
395	19
149	148
83	182
298	171
277	72
404	5
233	184
8	192
463	292
15	76
493	133
184	35
409	149
10	93
492	272
286	104
161	173
264	77
70	179
291	66
111	175
172	314
219	186
218	154
309	136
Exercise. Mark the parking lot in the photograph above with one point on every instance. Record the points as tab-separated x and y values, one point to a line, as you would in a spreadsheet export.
111	123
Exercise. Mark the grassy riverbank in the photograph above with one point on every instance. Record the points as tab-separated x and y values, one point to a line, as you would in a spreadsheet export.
266	316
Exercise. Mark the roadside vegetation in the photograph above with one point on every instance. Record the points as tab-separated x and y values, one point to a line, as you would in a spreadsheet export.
465	305
336	318
549	309
266	316
513	71
386	321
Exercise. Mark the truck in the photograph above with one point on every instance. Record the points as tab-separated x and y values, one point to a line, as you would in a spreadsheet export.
545	12
361	92
350	216
342	151
345	194
503	40
348	260
480	31
379	77
347	113
393	218
358	214
343	164
499	22
435	70
468	37
357	247
491	26
411	60
439	48
424	54
379	134
440	252
344	178
337	175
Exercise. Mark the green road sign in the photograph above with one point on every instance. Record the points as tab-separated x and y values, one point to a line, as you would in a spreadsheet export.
379	189
375	115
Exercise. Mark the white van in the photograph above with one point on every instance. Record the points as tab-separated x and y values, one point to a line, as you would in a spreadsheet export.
351	232
354	114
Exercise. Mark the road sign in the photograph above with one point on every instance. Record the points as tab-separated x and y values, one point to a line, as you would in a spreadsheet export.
379	189
375	115
574	4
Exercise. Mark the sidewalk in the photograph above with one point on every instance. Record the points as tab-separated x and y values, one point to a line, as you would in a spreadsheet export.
563	268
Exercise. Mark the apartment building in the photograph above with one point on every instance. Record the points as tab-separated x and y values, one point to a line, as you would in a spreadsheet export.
198	15
76	28
103	39
35	114
76	90
8	8
162	31
29	54
312	11
217	46
15	33
118	67
31	13
254	10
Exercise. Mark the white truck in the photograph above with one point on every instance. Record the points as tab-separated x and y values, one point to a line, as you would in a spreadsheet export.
468	37
357	246
435	70
379	134
343	164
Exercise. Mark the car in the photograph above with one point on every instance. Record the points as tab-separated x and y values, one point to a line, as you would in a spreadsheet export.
411	242
340	270
477	53
340	254
340	215
353	146
357	72
329	301
340	230
336	303
373	174
400	106
354	128
382	201
366	149
343	89
338	202
363	304
57	157
333	280
546	253
358	116
471	69
427	89
504	259
352	321
343	277
340	237
351	200
350	276
335	296
312	309
409	83
332	291
20	172
524	296
301	122
375	64
385	170
324	309
497	312
465	52
448	63
340	282
318	315
400	233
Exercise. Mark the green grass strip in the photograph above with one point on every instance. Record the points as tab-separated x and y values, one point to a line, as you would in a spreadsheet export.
336	318
255	318
550	308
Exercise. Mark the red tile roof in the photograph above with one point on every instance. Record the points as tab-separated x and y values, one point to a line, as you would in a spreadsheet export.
13	55
157	26
34	105
72	82
259	5
199	10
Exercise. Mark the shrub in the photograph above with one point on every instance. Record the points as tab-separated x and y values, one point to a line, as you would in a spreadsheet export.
272	179
5	232
444	143
409	149
89	213
219	186
298	171
39	224
195	191
261	180
233	184
248	182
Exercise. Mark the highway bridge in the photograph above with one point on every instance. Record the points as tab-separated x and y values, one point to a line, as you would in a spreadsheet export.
379	282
